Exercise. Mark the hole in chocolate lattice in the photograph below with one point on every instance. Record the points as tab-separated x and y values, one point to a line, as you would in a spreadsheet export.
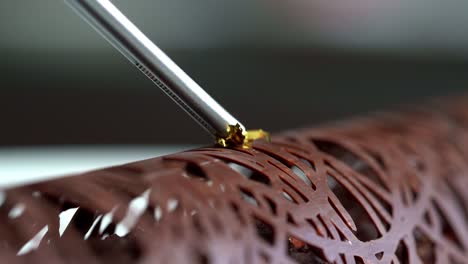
385	205
264	230
349	158
304	253
447	229
301	175
271	205
358	260
250	174
296	191
294	169
247	196
288	197
458	197
379	255
309	163
315	227
195	171
326	229
366	229
425	247
427	218
378	158
341	234
402	253
290	219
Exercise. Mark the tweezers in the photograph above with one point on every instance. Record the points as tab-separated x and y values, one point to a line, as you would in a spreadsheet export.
116	28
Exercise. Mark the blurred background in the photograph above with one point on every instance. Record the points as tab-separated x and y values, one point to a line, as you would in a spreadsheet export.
273	64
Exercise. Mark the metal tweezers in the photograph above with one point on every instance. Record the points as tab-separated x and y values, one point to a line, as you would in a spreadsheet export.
106	19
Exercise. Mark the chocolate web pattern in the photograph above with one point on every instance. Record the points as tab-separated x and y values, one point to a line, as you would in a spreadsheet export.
390	188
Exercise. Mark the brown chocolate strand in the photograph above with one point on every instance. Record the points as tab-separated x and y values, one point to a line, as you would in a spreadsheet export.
390	188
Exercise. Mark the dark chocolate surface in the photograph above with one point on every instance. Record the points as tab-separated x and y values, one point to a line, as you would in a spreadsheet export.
389	188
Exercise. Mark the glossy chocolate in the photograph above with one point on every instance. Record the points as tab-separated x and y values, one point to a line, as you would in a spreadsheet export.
390	188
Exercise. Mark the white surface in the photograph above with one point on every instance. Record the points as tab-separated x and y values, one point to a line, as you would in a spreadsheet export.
26	165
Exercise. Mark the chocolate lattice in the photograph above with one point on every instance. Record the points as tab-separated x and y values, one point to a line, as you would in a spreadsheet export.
391	188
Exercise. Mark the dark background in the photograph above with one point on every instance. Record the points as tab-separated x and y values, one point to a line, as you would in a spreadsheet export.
274	65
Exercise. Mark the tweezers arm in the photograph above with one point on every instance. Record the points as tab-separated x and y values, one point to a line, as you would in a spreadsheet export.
106	19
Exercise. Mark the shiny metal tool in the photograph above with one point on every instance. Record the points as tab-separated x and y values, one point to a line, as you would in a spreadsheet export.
106	19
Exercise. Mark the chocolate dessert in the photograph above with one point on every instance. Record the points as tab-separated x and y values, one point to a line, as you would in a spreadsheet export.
388	188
